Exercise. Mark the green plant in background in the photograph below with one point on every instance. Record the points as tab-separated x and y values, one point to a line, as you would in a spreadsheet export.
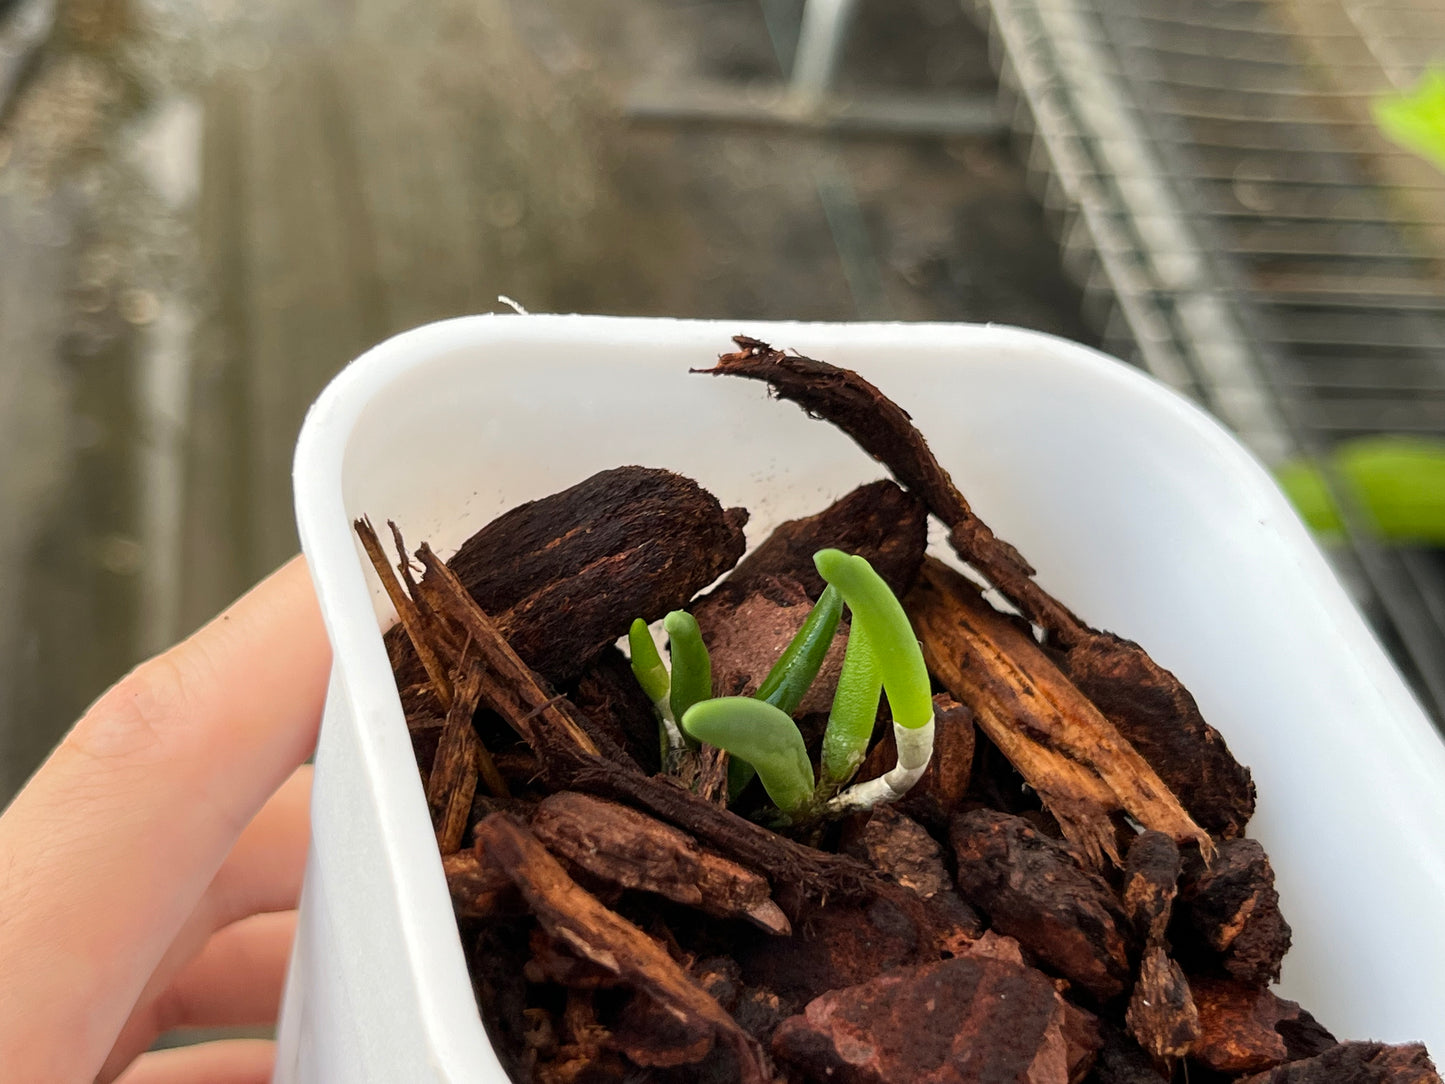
1399	483
758	732
1416	120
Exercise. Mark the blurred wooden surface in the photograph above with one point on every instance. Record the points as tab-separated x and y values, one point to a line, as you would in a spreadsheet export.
208	207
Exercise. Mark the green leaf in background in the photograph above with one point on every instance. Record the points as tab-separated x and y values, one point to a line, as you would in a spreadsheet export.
1398	481
1416	120
792	675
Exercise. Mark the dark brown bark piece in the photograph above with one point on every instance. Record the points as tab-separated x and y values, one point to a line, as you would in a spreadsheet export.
567	574
607	693
1304	1036
962	1021
606	940
564	576
496	959
583	1055
944	785
1121	1061
1357	1063
1227	918
631	850
416	623
1147	703
651	1035
878	521
1158	716
509	686
902	850
1162	1015
1151	881
759	1011
1033	889
840	945
1082	1040
1081	766
1239	1026
812	874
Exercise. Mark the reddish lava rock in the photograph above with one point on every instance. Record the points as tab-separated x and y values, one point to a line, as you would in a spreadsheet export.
962	1021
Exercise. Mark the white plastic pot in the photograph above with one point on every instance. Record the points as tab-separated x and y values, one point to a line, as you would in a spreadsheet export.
1138	510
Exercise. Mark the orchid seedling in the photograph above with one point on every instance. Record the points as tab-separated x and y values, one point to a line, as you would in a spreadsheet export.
758	732
672	693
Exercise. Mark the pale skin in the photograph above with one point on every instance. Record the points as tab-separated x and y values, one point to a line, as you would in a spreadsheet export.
150	870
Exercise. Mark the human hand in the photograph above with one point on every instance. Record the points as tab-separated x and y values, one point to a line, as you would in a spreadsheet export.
150	870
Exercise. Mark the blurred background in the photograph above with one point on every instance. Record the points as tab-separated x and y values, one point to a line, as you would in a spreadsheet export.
207	207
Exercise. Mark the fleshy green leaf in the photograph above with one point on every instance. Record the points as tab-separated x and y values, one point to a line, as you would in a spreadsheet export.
762	735
691	665
647	664
854	711
890	636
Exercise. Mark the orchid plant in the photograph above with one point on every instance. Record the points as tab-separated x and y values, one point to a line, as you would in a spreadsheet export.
758	732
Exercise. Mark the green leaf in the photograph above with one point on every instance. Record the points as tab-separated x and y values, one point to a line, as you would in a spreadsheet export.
1398	482
855	710
691	665
1416	120
789	679
762	735
890	636
647	664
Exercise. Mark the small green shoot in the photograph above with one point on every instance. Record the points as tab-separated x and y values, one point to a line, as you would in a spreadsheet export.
854	712
647	665
891	647
890	636
691	665
764	736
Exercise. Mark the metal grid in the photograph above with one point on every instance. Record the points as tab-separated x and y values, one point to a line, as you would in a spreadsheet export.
1243	232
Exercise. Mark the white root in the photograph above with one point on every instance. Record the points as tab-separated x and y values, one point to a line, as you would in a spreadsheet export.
676	744
915	750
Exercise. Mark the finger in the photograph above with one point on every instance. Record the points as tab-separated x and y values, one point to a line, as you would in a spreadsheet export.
231	1061
262	873
264	869
235	980
107	850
